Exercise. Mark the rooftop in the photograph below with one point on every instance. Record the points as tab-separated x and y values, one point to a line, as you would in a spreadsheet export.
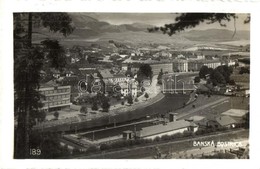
106	73
196	118
235	112
152	130
225	120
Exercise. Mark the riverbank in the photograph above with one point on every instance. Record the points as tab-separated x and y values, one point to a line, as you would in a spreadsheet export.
161	104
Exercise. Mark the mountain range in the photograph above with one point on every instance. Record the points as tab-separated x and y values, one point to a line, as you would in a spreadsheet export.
90	29
87	26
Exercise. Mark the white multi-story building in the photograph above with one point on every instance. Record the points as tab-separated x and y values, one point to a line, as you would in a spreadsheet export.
129	88
55	98
212	63
180	65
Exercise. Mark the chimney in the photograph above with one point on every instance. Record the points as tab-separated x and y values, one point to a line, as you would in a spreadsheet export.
172	116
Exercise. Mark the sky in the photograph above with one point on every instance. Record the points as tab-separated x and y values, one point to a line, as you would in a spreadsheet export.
159	19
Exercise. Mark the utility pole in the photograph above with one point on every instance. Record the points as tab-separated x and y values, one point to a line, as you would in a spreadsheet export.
175	83
76	129
114	122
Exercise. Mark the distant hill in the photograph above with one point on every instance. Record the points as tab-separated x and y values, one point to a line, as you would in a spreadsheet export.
216	35
87	26
89	29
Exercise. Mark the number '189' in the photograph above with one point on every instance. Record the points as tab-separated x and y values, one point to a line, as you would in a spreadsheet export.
35	152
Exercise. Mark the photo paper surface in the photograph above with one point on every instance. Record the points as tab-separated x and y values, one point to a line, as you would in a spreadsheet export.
131	85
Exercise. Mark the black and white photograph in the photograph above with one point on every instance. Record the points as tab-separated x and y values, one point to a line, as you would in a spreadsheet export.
131	85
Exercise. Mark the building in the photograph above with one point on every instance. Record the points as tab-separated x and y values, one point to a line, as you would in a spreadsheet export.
226	121
175	65
165	67
170	128
106	74
180	66
212	63
172	84
218	122
194	65
118	78
200	56
128	88
55	73
156	65
55	97
236	114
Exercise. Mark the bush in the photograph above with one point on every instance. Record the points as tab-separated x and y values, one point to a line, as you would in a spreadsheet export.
166	137
157	139
75	151
104	147
92	149
94	106
136	100
56	115
196	79
178	135
146	141
187	133
146	96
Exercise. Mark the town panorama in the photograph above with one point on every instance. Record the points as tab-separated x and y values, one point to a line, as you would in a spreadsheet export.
119	86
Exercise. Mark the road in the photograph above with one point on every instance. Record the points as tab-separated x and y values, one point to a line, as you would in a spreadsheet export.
219	101
148	151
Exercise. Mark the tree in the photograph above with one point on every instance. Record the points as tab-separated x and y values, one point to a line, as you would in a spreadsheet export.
217	78
142	89
105	104
41	116
56	115
136	99
191	20
130	99
244	70
146	96
84	109
196	79
159	78
225	71
145	70
28	61
94	106
128	73
204	70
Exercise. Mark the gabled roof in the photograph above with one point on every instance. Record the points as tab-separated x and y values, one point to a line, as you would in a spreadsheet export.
119	75
196	118
84	72
106	73
225	120
235	112
157	129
